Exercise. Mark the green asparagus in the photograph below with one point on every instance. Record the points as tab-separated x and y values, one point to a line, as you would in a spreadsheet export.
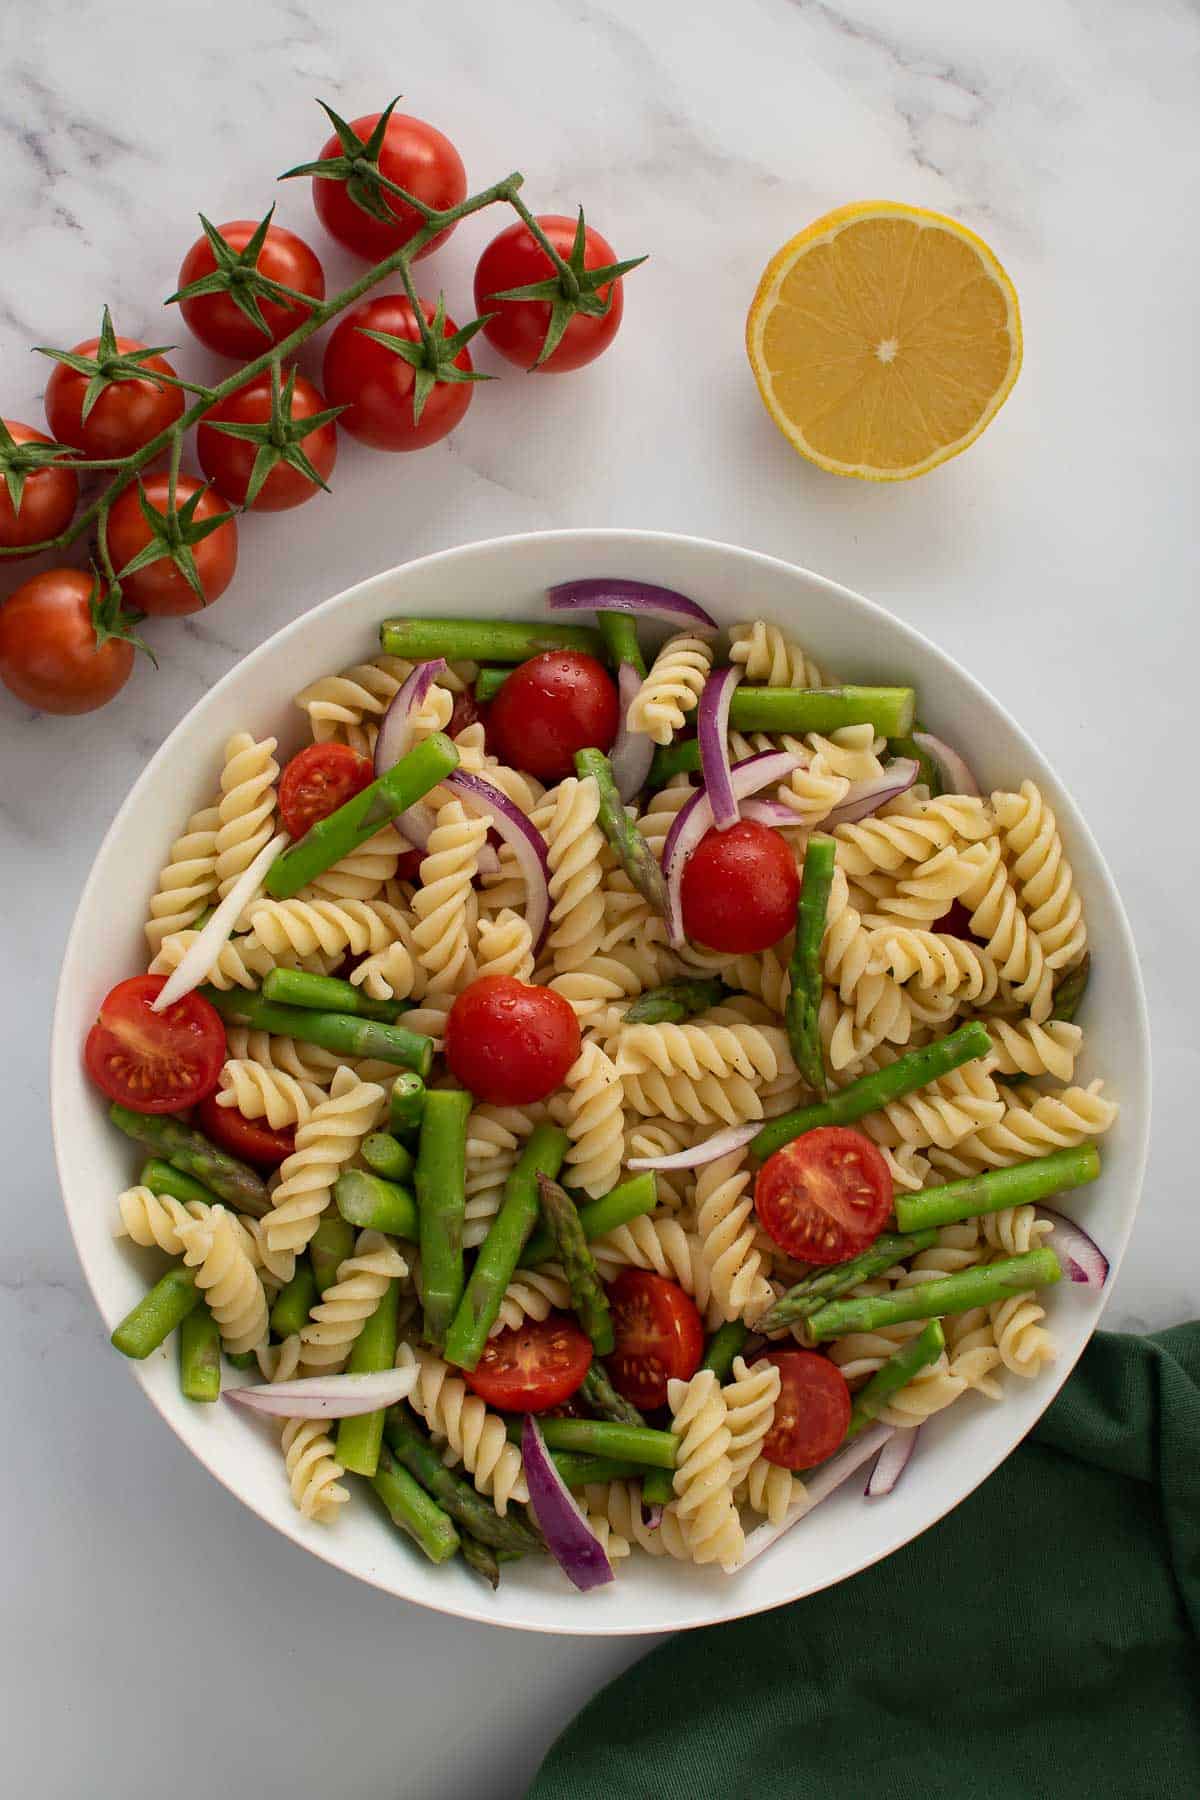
440	1182
797	710
295	1301
601	1437
484	640
482	1558
387	1156
915	1070
621	1204
896	1373
658	1488
811	1293
157	1314
1022	1184
488	683
331	1244
409	1442
604	1399
589	1302
619	631
339	1032
928	773
359	1439
579	1471
407	1102
725	1343
630	847
161	1178
676	1001
414	1511
680	757
982	1285
373	1204
325	993
191	1151
500	1251
1070	988
239	1359
199	1356
807	979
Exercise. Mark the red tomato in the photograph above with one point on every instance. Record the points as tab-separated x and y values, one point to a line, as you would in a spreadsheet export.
518	328
228	461
48	497
550	707
508	1042
956	922
826	1196
318	780
811	1413
538	1364
408	868
154	1062
376	386
251	1139
128	413
49	656
466	712
161	587
659	1337
418	158
740	888
218	321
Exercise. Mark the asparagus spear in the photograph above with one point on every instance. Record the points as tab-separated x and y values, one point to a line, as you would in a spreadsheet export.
342	832
1022	1184
387	1156
895	1374
360	1439
373	1204
482	1559
325	993
811	1293
634	853
157	1314
339	1032
982	1285
658	1487
680	757
239	1359
199	1356
1070	988
474	1512
676	1001
407	1101
331	1244
484	640
870	1092
295	1301
488	683
601	1437
804	1000
579	1471
161	1178
723	1346
500	1251
928	773
797	710
604	1399
414	1511
619	631
628	1201
589	1302
191	1151
440	1181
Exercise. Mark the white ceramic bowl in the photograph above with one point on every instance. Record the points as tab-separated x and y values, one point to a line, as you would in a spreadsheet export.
505	578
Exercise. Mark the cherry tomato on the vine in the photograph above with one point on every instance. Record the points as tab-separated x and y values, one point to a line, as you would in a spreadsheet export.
252	1139
48	496
126	415
740	888
518	327
229	462
510	1043
414	155
550	707
318	780
532	1366
161	587
826	1196
659	1336
216	318
811	1413
154	1062
376	385
50	656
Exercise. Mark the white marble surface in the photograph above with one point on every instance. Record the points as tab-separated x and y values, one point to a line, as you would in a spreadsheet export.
155	1635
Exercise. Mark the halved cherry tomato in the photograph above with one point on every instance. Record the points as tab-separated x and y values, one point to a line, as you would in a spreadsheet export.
318	780
825	1196
154	1062
740	887
532	1366
659	1337
811	1413
251	1139
508	1042
550	707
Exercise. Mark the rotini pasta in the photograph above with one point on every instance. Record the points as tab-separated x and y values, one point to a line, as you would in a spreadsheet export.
444	901
672	687
214	1246
594	1121
188	880
247	807
475	1436
314	1473
726	1226
344	1308
704	1502
325	1144
772	659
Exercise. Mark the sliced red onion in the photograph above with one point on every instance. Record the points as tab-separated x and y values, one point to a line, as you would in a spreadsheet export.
606	593
956	776
771	812
865	797
719	1144
893	1460
396	727
633	751
1081	1257
829	1476
201	955
328	1396
695	818
712	727
569	1538
529	846
652	1516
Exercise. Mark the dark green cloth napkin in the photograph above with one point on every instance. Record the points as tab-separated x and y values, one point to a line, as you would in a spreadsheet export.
1041	1640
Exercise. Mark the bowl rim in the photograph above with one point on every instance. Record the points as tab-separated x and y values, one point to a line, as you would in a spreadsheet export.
1051	1381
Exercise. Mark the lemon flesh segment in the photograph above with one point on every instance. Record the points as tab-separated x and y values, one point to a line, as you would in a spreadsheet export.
884	341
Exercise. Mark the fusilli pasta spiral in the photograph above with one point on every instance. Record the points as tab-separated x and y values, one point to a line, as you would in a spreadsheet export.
247	806
314	1473
188	880
772	659
671	688
1034	852
214	1246
750	1408
703	1486
594	1122
344	1308
474	1435
727	1228
325	1144
444	902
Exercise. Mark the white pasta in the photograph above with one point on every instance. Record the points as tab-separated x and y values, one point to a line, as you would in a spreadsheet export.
577	855
771	659
943	1112
750	1408
1022	1340
1033	1124
443	902
260	1092
247	807
672	687
532	1294
909	830
1042	874
314	1473
155	1219
504	946
922	897
727	1228
594	1121
951	967
659	1243
768	1489
214	1246
475	1436
620	1503
365	872
1026	1048
325	1144
703	1472
344	1308
242	962
1016	949
304	925
189	879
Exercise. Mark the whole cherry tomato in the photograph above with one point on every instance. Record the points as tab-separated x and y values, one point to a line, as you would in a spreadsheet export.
49	495
375	385
509	1042
217	319
415	156
550	707
50	654
128	413
161	587
518	327
229	462
740	888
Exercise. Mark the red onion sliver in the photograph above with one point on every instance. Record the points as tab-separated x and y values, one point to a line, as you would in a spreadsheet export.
773	813
201	954
1081	1257
604	593
955	773
569	1538
712	726
893	1460
693	820
829	1476
866	797
719	1144
528	844
652	1516
395	727
328	1396
633	751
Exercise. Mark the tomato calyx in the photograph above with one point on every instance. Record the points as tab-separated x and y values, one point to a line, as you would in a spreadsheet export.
572	289
237	274
173	532
19	461
358	168
432	359
110	619
280	438
108	365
